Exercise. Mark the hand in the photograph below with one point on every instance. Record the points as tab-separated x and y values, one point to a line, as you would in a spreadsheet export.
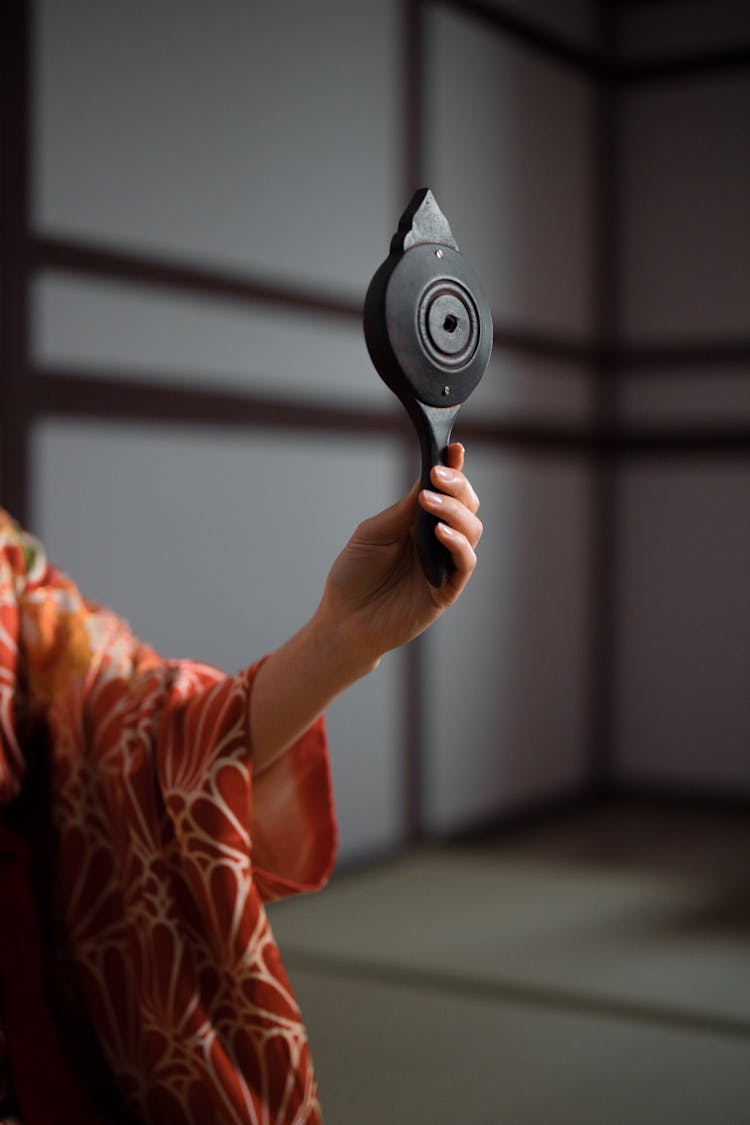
376	596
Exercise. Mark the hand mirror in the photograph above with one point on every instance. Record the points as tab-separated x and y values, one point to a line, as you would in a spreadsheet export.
428	330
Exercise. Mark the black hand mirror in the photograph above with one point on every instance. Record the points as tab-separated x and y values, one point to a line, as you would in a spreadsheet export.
428	330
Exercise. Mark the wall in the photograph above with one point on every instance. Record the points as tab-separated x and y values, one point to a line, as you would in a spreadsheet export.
229	137
682	717
509	149
211	189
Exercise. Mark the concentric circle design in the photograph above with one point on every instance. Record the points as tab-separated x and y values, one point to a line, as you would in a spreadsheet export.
448	323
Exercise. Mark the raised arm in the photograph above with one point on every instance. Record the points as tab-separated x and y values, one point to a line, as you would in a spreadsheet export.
375	599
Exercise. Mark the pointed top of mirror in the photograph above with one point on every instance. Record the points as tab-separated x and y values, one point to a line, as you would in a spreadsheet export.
422	221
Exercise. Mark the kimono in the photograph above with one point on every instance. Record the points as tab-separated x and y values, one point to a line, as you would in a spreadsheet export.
139	977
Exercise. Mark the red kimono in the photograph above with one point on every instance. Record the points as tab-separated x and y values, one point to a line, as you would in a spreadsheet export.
160	848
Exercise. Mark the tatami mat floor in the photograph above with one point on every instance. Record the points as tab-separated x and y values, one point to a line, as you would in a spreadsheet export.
595	971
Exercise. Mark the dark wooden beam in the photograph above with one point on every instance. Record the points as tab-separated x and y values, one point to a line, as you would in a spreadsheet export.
414	692
606	221
186	277
530	34
682	357
596	63
63	393
14	195
711	63
413	71
541	344
694	442
142	397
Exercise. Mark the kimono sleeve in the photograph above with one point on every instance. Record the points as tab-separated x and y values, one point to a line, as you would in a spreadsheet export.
294	824
288	807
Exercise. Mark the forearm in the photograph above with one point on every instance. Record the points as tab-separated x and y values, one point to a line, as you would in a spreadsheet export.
297	683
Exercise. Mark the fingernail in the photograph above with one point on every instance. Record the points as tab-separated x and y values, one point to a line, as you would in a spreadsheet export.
434	498
443	474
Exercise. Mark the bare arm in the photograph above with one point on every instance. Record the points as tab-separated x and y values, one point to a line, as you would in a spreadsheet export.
376	598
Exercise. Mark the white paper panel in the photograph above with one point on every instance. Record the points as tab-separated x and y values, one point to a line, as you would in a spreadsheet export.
518	388
686	186
700	398
508	156
111	327
683	713
573	20
647	29
216	547
508	667
262	136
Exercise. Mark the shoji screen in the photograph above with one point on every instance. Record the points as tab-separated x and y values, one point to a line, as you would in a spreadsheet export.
212	187
683	651
248	143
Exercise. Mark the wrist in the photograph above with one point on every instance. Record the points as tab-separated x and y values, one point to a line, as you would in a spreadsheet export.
298	682
340	648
